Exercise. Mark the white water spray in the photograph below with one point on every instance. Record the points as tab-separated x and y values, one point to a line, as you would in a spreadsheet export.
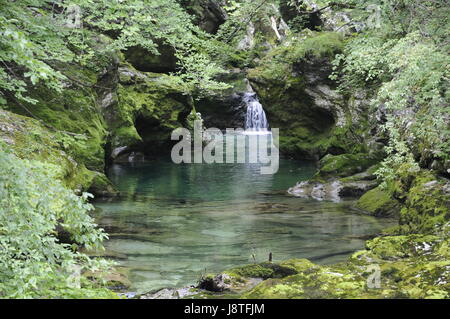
256	120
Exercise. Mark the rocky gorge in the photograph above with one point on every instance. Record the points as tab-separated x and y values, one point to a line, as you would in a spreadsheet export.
123	107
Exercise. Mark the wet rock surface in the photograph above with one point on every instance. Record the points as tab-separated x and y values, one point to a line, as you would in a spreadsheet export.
168	293
335	189
218	283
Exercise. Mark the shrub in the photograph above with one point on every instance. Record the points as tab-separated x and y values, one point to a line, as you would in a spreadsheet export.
33	205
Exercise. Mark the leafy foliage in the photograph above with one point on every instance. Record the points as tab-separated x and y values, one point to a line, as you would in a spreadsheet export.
405	62
241	13
37	34
27	40
278	63
33	205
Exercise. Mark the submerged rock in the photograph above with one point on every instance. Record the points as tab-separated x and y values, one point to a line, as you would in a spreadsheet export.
116	279
271	208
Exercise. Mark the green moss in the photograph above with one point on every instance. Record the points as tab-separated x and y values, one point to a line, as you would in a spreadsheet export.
153	99
310	117
410	267
304	142
344	165
396	247
316	282
101	185
263	270
277	64
73	110
420	199
367	175
126	135
379	202
29	139
425	202
299	265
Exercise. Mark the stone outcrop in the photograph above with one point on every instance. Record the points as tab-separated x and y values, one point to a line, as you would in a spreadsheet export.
299	98
108	113
226	110
30	139
209	15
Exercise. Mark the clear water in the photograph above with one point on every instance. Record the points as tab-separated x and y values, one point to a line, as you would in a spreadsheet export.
176	222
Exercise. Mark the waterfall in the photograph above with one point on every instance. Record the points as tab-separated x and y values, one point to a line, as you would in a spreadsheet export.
256	119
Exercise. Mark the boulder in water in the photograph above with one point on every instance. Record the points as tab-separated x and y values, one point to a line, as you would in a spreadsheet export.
335	189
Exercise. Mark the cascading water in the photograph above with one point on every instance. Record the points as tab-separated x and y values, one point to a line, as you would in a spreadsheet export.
256	120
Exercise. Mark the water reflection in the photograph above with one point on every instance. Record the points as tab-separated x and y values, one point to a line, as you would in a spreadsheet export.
175	221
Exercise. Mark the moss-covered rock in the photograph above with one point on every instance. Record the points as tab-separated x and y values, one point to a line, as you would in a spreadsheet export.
379	202
335	189
314	282
238	280
421	199
102	186
116	279
411	260
413	266
29	139
409	266
106	110
293	84
263	270
426	200
73	120
226	110
74	110
149	106
344	165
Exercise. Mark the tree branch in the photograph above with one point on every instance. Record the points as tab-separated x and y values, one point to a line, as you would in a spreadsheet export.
246	22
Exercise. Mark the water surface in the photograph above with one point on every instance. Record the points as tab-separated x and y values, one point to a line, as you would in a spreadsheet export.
176	222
